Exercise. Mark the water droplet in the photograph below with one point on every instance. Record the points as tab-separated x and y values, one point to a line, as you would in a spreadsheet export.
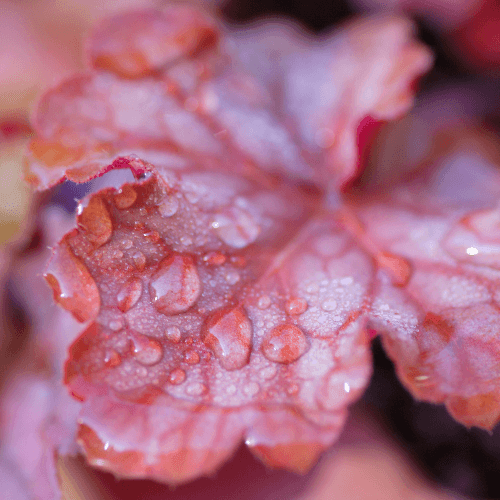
129	295
294	307
73	286
312	288
175	286
346	281
329	304
191	357
292	389
139	261
126	244
153	236
192	196
196	389
177	376
168	206
238	260
232	277
173	334
125	197
236	227
284	344
116	325
186	241
228	333
264	302
112	358
147	351
251	389
96	221
269	372
214	258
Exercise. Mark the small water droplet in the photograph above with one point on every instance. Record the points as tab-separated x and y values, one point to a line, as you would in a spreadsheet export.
186	240
232	277
346	281
269	372
196	389
228	333
177	376
294	307
147	351
143	212
169	206
191	357
112	358
251	389
139	261
116	325
173	334
312	288
329	304
236	227
192	196
214	258
153	236
126	244
284	344
292	389
175	286
238	260
264	302
96	221
129	295
125	197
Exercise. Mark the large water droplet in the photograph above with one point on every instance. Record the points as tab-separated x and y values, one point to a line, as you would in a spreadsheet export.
147	351
125	197
175	286
139	261
173	334
284	344
191	357
129	294
228	333
236	227
96	221
294	307
177	376
168	206
72	285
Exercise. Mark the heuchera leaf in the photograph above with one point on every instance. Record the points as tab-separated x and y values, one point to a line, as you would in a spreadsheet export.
228	291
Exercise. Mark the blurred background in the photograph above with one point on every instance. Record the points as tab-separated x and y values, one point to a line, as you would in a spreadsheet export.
394	446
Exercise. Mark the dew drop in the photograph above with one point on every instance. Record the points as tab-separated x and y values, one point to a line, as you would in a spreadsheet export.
125	197
127	244
96	221
236	227
264	302
173	334
214	258
269	372
196	389
153	236
284	344
139	261
294	307
191	357
116	325
129	295
147	351
112	358
177	376
72	285
228	333
251	389
169	206
329	305
346	281
292	389
232	277
175	286
186	241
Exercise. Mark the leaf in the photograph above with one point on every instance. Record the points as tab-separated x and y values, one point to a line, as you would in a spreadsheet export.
226	289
